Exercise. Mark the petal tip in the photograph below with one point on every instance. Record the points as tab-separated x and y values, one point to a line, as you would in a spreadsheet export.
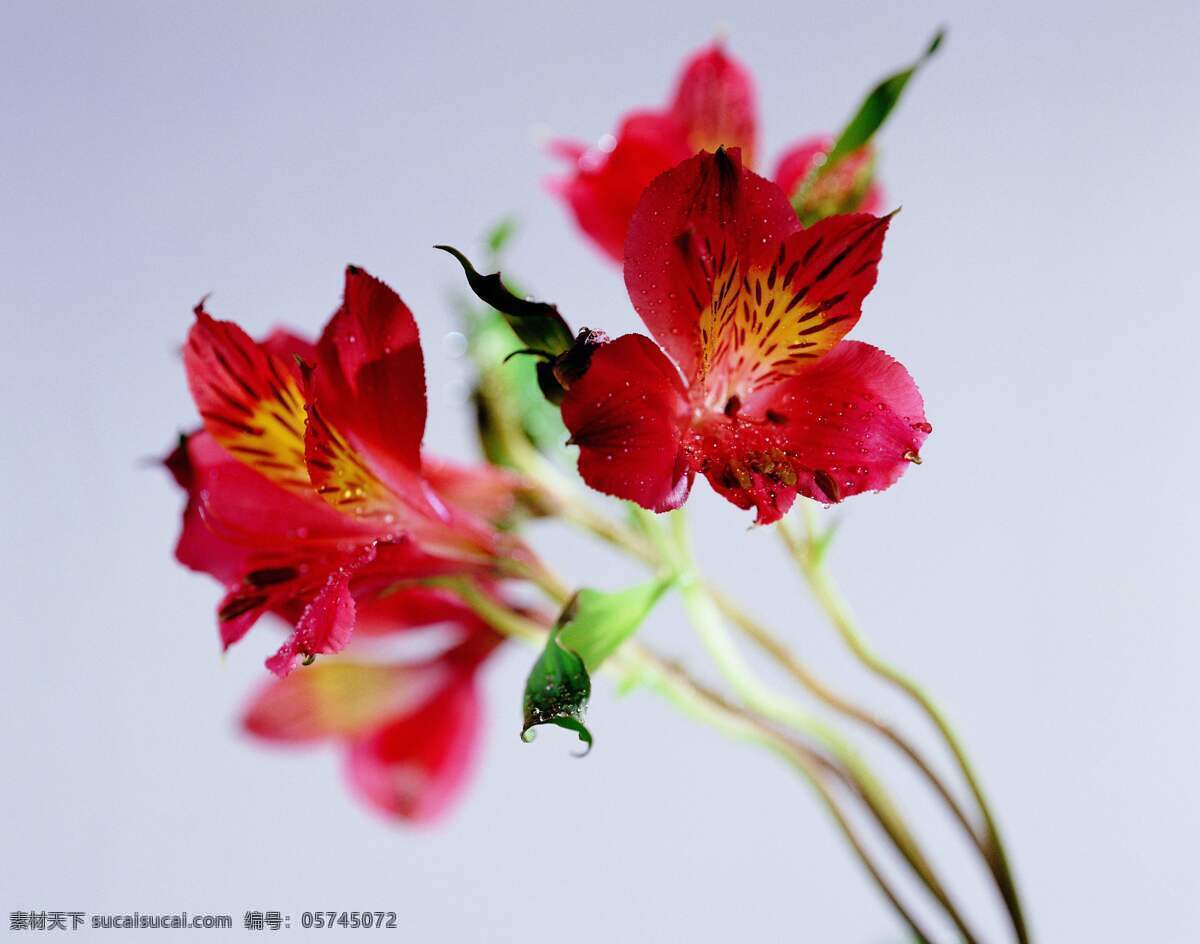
199	310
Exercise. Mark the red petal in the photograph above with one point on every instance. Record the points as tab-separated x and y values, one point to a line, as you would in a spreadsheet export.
179	464
270	548
627	415
250	400
340	699
326	624
367	416
853	422
410	504
698	232
243	508
371	376
605	186
847	188
715	102
198	547
413	766
484	491
287	346
238	611
340	475
793	313
796	162
411	608
252	403
405	558
713	105
745	460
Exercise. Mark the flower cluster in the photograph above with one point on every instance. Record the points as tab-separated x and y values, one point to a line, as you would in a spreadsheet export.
309	498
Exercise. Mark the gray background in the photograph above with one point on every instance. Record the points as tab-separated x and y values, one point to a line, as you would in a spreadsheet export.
1036	572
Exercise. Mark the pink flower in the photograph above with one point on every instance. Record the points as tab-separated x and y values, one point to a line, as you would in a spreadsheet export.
750	382
410	731
307	490
714	105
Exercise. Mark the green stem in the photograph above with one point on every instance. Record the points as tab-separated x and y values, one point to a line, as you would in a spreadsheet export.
638	663
530	567
707	619
558	490
503	620
775	647
625	539
822	587
811	766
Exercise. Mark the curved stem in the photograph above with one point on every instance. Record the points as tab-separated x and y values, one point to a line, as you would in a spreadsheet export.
532	568
811	765
775	647
851	836
698	701
819	582
713	633
499	617
624	539
557	492
560	491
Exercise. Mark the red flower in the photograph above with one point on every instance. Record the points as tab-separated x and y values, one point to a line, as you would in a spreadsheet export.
764	397
713	106
306	488
848	187
410	730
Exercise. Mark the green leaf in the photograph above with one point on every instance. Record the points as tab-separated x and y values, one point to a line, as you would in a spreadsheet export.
869	118
602	621
508	396
593	625
557	691
499	236
538	324
819	546
877	106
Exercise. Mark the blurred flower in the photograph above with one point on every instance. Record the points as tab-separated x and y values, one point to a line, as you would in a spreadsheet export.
757	390
848	187
307	491
714	105
410	730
